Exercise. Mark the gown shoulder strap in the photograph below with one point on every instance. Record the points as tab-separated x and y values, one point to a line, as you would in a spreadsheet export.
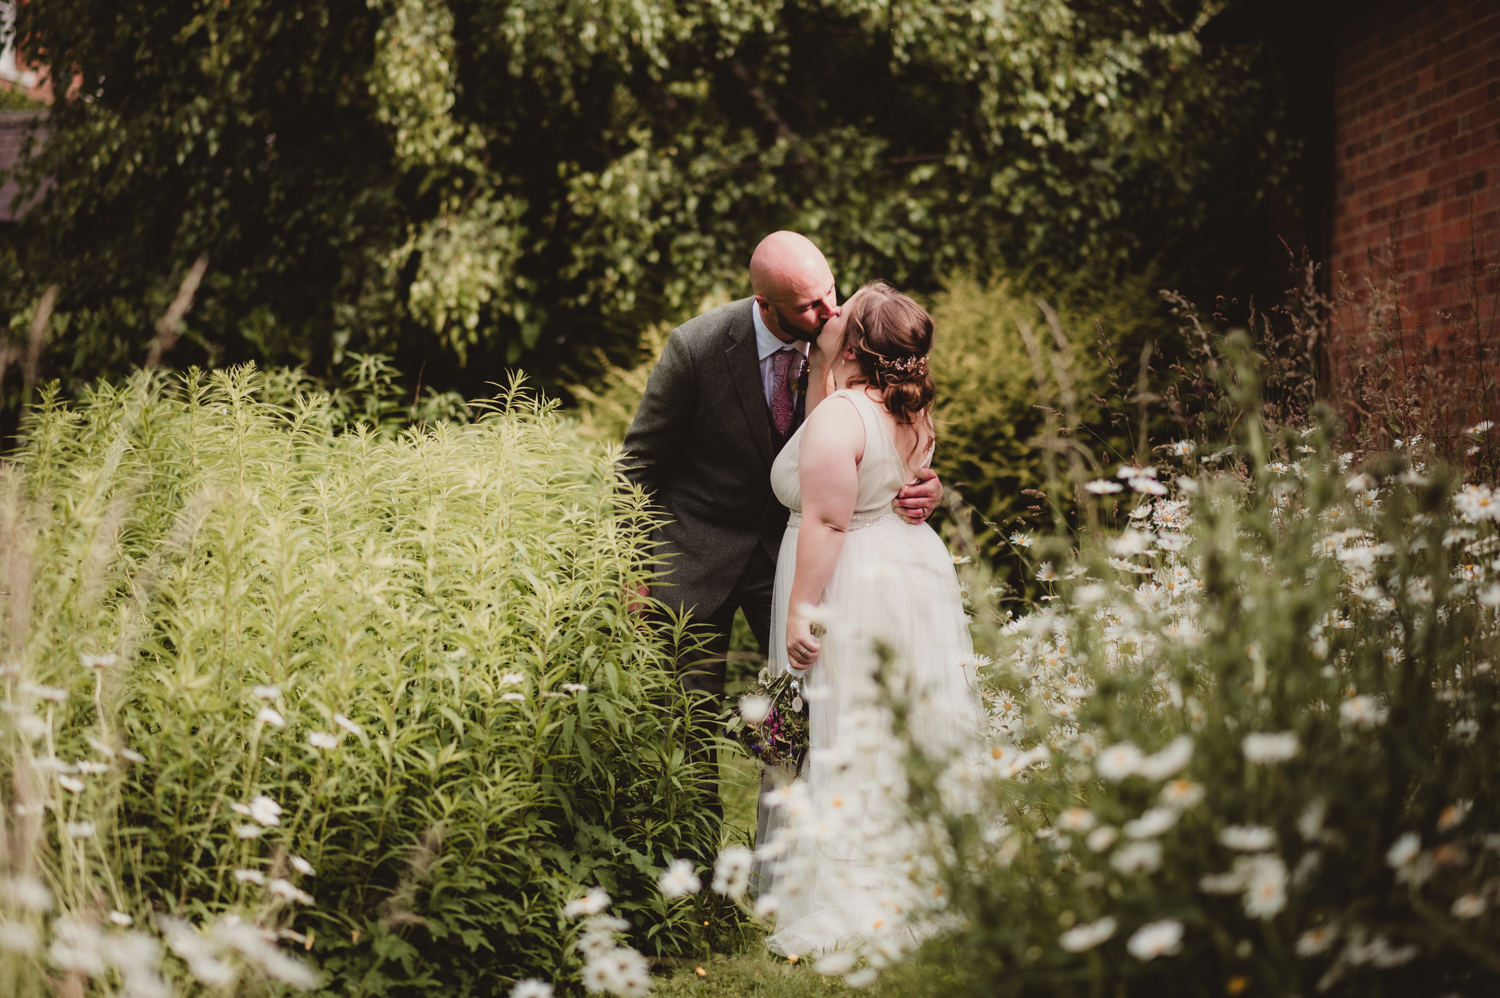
877	433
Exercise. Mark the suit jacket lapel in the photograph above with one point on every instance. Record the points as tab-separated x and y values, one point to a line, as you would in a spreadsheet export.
744	373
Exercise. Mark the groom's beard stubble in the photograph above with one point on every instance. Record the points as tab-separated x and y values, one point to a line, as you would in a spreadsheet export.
794	331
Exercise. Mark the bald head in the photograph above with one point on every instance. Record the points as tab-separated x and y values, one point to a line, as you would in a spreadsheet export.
793	285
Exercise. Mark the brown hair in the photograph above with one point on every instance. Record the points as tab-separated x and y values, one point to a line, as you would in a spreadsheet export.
891	336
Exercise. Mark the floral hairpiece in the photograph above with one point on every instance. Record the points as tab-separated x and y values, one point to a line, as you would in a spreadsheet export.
911	365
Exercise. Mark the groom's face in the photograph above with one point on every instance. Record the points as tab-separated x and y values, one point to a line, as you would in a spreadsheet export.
802	310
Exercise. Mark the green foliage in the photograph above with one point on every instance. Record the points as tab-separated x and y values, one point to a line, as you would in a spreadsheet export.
481	181
991	413
16	100
604	413
1351	620
416	644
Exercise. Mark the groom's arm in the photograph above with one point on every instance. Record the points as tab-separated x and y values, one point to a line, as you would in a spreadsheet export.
656	435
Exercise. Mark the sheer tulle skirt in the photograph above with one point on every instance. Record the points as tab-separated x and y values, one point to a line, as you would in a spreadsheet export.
835	845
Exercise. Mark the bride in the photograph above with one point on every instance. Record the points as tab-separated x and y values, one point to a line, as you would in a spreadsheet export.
881	587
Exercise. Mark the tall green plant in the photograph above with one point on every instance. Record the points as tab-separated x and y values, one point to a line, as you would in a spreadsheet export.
380	695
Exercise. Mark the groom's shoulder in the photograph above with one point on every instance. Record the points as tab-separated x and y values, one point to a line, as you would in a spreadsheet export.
713	327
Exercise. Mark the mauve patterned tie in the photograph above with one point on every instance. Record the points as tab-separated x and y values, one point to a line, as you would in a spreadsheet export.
783	401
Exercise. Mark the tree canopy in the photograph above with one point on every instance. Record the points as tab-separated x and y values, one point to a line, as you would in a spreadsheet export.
474	183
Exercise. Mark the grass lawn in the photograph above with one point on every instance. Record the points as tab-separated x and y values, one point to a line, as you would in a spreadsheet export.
753	972
749	975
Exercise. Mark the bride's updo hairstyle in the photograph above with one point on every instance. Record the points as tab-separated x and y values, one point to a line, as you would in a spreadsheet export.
891	335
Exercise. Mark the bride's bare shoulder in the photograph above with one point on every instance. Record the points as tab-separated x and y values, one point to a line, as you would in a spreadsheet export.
836	424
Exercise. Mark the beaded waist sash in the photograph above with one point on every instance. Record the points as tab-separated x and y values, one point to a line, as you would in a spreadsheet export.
856	522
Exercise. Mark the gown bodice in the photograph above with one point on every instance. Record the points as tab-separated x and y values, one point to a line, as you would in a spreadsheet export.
882	473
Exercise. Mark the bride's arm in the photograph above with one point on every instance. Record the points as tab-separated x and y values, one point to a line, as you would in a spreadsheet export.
832	445
819	380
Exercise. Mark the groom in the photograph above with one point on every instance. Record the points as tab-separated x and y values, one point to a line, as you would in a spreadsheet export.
725	396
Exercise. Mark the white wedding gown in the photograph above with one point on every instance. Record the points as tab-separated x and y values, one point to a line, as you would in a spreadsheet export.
840	852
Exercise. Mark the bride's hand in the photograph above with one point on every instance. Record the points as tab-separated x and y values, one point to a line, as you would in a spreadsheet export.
801	647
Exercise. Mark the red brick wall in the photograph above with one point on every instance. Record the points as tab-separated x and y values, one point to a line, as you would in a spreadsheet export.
1417	154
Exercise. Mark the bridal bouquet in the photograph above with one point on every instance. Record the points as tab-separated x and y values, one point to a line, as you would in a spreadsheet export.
771	723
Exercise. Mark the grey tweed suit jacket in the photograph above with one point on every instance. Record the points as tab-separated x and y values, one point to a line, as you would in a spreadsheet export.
701	445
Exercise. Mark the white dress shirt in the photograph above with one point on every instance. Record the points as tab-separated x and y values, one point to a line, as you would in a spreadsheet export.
767	344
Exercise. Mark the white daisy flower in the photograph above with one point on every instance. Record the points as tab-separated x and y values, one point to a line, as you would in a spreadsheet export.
1137	857
732	871
1076	819
1155	939
1265	885
678	880
264	811
1403	850
1086	937
592	903
755	709
1181	795
1152	823
1469	906
1119	761
1169	761
836	963
19	937
1247	838
289	891
1265	747
1362	711
1453	815
52	694
1317	940
26	893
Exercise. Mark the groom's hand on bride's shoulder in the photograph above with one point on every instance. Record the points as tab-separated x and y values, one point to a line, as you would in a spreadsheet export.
917	500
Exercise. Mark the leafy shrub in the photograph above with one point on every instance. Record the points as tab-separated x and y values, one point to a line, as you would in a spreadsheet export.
487	181
402	662
992	416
